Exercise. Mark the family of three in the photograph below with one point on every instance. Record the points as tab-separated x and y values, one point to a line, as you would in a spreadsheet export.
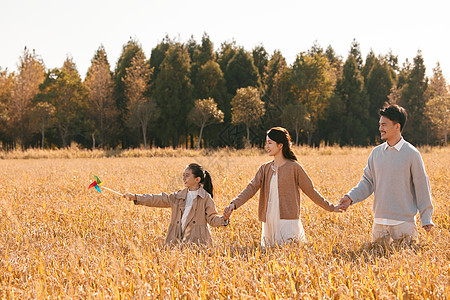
395	174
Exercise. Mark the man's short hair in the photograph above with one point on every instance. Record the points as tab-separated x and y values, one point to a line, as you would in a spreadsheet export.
395	113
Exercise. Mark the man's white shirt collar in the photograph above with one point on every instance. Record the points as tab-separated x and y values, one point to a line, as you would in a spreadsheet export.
397	146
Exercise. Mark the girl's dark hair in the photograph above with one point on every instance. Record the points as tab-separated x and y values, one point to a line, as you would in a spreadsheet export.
205	178
281	136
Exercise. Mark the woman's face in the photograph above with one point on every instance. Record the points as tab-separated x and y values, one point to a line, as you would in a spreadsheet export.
272	147
190	181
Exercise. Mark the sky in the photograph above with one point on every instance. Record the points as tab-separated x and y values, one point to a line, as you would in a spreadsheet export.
56	29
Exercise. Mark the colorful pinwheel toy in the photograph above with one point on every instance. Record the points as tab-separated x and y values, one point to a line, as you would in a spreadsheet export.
97	183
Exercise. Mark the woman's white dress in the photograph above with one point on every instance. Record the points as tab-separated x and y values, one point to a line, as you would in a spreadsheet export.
276	231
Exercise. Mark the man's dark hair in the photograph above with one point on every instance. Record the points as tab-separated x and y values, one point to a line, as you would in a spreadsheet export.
395	113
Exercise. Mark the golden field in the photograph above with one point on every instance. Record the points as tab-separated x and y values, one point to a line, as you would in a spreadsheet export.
60	240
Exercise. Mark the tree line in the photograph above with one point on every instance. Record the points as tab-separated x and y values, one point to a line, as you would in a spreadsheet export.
190	95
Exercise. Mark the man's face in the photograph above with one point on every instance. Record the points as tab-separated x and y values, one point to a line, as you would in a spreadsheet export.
388	129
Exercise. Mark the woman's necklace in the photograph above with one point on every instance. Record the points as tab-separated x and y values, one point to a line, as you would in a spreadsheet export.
274	169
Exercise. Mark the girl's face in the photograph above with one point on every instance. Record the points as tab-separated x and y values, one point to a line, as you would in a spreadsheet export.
273	148
190	181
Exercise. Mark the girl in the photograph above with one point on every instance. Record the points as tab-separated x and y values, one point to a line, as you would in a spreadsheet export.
280	182
192	208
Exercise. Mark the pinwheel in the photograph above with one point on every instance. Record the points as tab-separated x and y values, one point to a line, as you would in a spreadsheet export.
97	183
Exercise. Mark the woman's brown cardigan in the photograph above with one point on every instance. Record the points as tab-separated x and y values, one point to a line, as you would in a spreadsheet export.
291	178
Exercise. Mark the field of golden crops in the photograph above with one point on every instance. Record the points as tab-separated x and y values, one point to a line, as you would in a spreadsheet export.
60	240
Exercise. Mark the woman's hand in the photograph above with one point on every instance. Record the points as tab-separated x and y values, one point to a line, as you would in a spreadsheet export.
228	211
339	208
130	197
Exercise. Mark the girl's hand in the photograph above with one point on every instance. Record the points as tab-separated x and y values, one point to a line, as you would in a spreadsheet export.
129	196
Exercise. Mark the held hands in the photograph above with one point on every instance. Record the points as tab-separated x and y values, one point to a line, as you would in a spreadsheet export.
428	227
129	196
228	211
345	203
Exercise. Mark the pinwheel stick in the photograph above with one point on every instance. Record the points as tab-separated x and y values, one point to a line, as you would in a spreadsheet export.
112	191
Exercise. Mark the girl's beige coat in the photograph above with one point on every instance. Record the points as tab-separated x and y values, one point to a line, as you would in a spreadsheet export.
202	213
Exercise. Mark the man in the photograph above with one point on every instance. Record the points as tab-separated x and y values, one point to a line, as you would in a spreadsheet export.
395	173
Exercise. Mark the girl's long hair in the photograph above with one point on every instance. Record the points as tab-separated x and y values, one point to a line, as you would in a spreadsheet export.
281	136
205	177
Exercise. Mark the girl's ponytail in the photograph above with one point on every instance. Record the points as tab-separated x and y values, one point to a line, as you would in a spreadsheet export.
205	177
207	184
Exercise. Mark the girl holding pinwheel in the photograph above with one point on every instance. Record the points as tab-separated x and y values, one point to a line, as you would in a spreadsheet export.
192	208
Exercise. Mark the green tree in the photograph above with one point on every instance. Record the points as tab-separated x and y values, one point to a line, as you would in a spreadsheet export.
204	113
241	72
100	86
355	51
158	54
26	86
141	109
414	100
260	59
211	84
226	53
247	108
312	85
129	50
350	90
379	84
173	93
370	62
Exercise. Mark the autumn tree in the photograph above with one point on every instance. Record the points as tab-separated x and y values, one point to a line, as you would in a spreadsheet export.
295	116
247	108
6	88
64	90
100	85
42	118
312	85
277	85
141	108
26	86
204	113
438	106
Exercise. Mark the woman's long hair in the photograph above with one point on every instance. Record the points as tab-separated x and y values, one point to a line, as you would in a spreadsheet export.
205	177
281	136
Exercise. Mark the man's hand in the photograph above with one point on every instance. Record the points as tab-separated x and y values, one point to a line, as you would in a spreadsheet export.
345	203
228	211
428	227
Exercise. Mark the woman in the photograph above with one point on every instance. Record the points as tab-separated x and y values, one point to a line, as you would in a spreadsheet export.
192	208
280	182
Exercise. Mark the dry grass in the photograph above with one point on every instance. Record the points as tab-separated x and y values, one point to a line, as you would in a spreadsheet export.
60	240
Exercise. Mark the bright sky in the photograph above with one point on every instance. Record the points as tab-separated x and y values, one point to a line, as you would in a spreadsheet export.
57	28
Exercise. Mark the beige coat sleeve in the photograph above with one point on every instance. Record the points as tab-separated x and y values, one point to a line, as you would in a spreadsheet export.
251	189
307	187
153	200
212	217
